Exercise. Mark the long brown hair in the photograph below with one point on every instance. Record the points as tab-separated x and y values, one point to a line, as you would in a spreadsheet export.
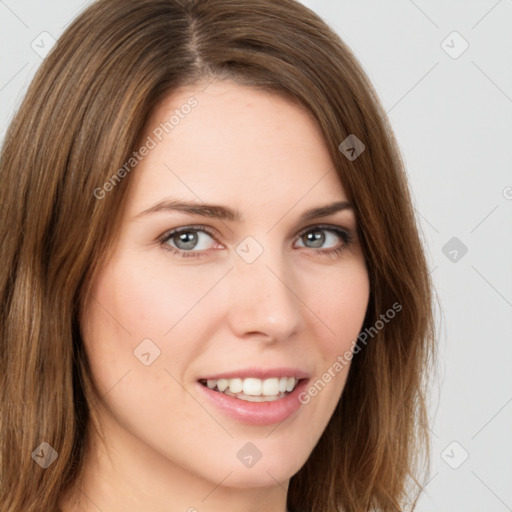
80	121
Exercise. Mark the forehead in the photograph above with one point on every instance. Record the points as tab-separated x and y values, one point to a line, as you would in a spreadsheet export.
233	144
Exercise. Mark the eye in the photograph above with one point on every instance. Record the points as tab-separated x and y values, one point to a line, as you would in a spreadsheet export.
331	238
187	240
191	241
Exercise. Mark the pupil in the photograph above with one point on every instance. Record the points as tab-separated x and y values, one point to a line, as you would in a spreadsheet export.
316	237
186	240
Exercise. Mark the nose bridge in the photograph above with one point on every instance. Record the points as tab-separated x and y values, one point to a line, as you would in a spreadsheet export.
263	298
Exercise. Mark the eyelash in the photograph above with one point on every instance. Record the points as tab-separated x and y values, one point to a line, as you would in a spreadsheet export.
345	236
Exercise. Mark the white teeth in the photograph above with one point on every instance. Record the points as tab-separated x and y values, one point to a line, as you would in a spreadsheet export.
270	387
249	398
222	384
235	385
253	389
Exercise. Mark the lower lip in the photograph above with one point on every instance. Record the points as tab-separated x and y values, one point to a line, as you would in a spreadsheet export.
256	413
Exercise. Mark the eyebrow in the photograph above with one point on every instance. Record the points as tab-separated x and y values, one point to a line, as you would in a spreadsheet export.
225	213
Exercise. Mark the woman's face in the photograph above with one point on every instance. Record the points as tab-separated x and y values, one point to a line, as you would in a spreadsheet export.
225	270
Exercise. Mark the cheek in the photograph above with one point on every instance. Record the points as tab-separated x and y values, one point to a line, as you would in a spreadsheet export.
131	302
145	300
342	305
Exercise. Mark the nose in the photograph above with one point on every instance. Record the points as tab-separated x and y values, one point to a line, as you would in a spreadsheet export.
263	299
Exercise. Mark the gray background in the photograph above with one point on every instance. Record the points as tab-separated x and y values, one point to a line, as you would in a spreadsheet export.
452	115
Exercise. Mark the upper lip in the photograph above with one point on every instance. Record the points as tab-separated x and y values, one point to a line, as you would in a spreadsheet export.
259	373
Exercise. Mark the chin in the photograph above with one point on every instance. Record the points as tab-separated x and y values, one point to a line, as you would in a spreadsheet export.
263	474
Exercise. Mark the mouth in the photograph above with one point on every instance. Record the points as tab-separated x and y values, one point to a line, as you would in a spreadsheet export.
252	389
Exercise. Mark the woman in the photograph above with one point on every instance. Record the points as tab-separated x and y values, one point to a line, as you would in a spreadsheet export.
214	295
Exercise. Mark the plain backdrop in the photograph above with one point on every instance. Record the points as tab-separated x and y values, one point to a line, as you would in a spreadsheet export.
443	72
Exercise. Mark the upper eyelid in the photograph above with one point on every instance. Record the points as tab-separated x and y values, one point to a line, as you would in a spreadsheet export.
327	227
184	229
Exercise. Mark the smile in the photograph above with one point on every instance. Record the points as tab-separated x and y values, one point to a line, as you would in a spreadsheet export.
253	389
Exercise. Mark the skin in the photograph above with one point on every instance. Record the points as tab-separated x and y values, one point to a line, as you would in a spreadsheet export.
166	447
